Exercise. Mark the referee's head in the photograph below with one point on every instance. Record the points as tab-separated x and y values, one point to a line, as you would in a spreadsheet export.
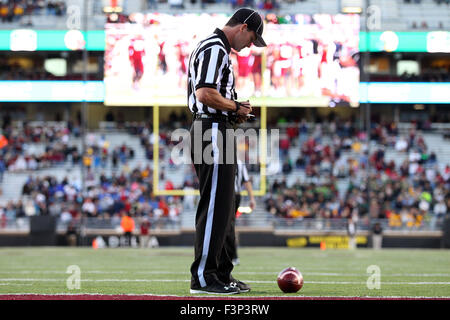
250	28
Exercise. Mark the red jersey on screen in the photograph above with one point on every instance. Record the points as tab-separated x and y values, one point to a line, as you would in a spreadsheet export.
136	52
182	55
257	62
243	60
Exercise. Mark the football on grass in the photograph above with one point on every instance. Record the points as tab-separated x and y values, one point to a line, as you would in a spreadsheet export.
290	280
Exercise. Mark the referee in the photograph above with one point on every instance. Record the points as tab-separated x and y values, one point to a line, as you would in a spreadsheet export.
212	99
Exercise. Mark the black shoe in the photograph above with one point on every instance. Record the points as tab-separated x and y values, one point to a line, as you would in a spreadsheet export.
243	287
216	288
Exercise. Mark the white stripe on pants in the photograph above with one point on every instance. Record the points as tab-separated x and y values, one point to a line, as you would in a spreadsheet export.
212	199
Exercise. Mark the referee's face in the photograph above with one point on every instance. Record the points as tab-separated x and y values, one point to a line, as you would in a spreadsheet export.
244	38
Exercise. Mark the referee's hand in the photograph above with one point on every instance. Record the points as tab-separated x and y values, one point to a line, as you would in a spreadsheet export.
243	111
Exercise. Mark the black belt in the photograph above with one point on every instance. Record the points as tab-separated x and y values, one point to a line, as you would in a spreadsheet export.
217	117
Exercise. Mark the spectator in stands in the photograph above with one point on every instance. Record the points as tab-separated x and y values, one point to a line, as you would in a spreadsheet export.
377	236
152	4
439	212
144	238
71	234
127	225
18	11
4	12
88	208
287	166
401	145
176	4
13	10
351	231
3	219
269	5
55	7
2	169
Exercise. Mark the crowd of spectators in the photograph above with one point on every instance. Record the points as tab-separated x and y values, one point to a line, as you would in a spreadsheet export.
430	75
35	147
420	1
14	10
442	1
99	153
32	147
147	137
109	198
405	202
405	192
262	4
257	4
424	24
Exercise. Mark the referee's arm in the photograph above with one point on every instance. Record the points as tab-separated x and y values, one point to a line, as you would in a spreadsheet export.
212	98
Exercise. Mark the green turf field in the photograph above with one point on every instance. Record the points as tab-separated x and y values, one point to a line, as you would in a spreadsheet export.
165	271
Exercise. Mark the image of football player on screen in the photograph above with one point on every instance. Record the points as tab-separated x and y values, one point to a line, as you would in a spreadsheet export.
136	52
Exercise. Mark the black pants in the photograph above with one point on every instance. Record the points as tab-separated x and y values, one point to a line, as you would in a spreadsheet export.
216	207
230	240
128	235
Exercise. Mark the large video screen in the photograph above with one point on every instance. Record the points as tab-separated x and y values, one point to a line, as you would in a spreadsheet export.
310	60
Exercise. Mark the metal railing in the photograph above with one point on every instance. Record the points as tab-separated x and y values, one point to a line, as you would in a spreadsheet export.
15	225
261	219
160	223
23	224
329	225
247	221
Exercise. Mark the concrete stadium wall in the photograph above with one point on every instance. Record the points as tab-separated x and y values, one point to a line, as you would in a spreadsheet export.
337	240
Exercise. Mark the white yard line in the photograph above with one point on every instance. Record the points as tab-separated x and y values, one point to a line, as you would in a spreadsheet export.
187	280
156	272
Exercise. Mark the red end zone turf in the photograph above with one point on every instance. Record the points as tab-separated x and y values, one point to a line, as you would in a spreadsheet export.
157	297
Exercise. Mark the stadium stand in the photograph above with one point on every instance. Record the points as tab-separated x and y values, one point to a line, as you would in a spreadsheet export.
324	179
401	16
317	184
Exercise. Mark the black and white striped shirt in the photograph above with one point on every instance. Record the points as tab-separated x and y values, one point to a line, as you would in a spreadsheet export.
210	66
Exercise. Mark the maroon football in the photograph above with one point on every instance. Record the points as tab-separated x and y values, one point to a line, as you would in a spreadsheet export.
290	280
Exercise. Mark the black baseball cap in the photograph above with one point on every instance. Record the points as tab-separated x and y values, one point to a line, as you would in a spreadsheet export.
254	23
